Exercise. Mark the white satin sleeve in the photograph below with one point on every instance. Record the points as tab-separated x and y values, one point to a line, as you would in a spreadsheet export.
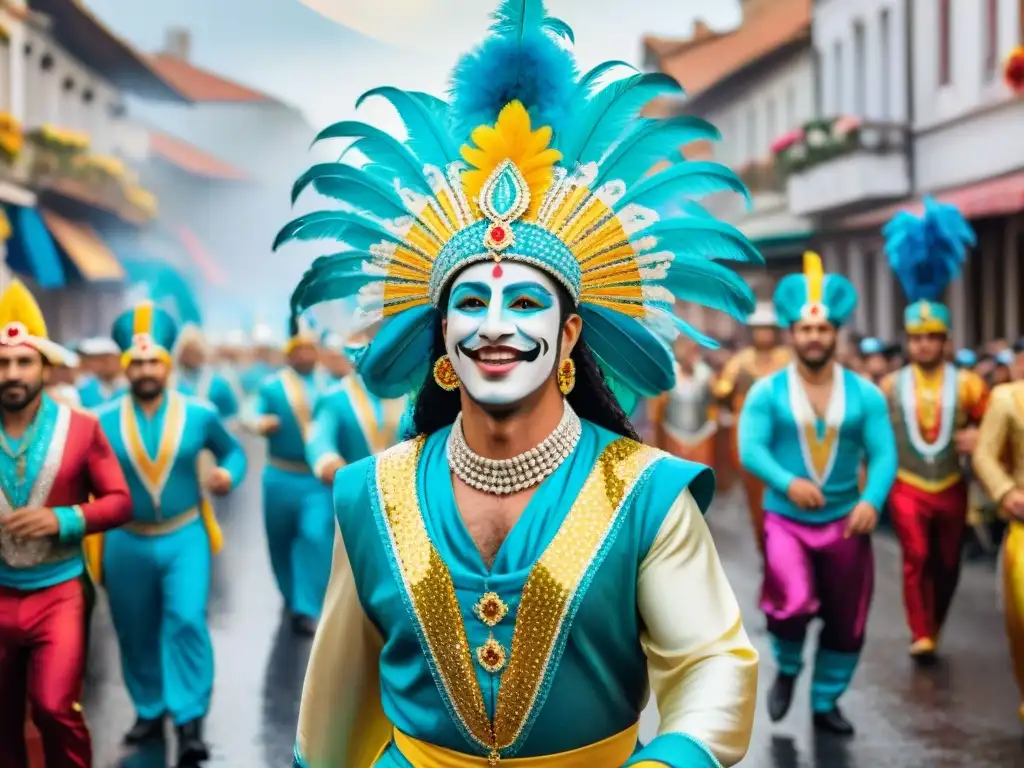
341	721
702	666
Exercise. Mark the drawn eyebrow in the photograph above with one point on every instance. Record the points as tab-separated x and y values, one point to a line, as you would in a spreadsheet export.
467	290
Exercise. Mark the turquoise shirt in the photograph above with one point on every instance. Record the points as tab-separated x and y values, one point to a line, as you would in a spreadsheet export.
206	384
291	397
780	436
338	428
182	432
254	376
41	445
596	675
95	393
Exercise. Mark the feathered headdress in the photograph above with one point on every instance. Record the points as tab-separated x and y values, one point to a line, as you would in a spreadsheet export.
529	162
145	332
927	253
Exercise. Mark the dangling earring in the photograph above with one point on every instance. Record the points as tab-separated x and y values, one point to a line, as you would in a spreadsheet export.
566	376
445	375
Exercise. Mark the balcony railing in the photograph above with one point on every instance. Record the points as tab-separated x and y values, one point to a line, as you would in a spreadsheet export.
843	163
59	161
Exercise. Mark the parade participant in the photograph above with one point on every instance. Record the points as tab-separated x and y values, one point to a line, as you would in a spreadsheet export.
157	568
874	362
999	465
262	364
59	480
764	357
934	409
296	505
103	380
333	357
506	584
682	417
965	359
350	422
805	431
1003	372
196	376
61	385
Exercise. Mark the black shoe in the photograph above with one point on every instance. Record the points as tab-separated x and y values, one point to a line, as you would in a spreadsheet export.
192	750
833	722
303	626
780	697
145	732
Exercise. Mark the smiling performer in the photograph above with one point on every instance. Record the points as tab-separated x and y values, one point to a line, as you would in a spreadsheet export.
54	459
806	431
157	568
935	409
296	505
505	586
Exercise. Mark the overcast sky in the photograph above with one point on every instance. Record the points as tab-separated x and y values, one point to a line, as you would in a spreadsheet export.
285	48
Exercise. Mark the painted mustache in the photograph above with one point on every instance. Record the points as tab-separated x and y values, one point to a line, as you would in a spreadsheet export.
499	355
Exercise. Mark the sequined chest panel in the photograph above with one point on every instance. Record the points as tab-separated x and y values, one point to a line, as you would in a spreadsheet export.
935	460
550	598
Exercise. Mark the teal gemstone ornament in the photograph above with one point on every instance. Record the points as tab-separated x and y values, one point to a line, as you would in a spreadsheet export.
505	195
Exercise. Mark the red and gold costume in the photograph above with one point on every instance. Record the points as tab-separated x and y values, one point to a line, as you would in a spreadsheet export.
739	375
63	461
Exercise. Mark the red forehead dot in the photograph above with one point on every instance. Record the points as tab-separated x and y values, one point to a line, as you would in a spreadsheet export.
497	271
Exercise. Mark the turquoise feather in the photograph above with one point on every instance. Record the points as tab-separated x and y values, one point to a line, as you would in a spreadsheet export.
653	141
354	187
379	148
693	178
335	225
630	351
699	280
704	236
428	137
338	282
606	115
517	18
688	330
394	364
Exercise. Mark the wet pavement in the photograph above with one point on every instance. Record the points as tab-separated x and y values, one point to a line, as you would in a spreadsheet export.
962	713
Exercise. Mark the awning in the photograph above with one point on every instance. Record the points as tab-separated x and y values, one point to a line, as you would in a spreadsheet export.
30	249
993	197
164	285
80	243
210	270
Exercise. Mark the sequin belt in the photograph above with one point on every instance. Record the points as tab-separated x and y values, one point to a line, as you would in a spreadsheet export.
613	751
161	527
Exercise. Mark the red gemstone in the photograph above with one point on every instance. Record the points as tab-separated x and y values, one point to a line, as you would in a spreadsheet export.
12	331
497	271
498	234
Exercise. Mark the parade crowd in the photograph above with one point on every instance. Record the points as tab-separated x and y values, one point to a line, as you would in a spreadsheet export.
484	502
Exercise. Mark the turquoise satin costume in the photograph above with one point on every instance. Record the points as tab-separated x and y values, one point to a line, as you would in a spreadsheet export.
94	393
350	423
253	376
212	387
157	574
595	682
773	445
157	568
296	505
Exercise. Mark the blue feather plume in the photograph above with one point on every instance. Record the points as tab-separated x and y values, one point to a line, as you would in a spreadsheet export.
928	252
644	364
394	354
522	60
428	136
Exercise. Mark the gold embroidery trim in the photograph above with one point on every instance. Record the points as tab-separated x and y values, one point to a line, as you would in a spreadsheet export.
372	428
820	449
295	394
547	595
155	470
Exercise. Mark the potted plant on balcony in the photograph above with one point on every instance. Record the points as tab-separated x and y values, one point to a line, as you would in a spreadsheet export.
790	151
1013	72
142	200
12	140
54	150
101	174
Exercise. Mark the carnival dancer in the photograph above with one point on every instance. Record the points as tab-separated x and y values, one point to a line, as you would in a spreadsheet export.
999	465
196	376
261	366
506	584
157	568
682	417
874	362
350	423
296	505
59	480
935	409
334	355
61	384
806	431
764	357
104	379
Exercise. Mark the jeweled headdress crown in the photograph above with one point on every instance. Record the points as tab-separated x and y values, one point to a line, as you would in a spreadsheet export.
530	162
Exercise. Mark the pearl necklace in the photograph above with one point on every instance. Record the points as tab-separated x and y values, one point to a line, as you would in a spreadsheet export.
502	477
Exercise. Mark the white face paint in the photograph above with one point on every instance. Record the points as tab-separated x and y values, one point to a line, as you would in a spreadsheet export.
503	330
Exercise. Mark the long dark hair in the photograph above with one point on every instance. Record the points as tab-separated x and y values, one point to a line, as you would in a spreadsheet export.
590	398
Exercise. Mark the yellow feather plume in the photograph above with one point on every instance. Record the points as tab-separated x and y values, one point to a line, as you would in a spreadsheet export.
18	306
814	272
511	138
